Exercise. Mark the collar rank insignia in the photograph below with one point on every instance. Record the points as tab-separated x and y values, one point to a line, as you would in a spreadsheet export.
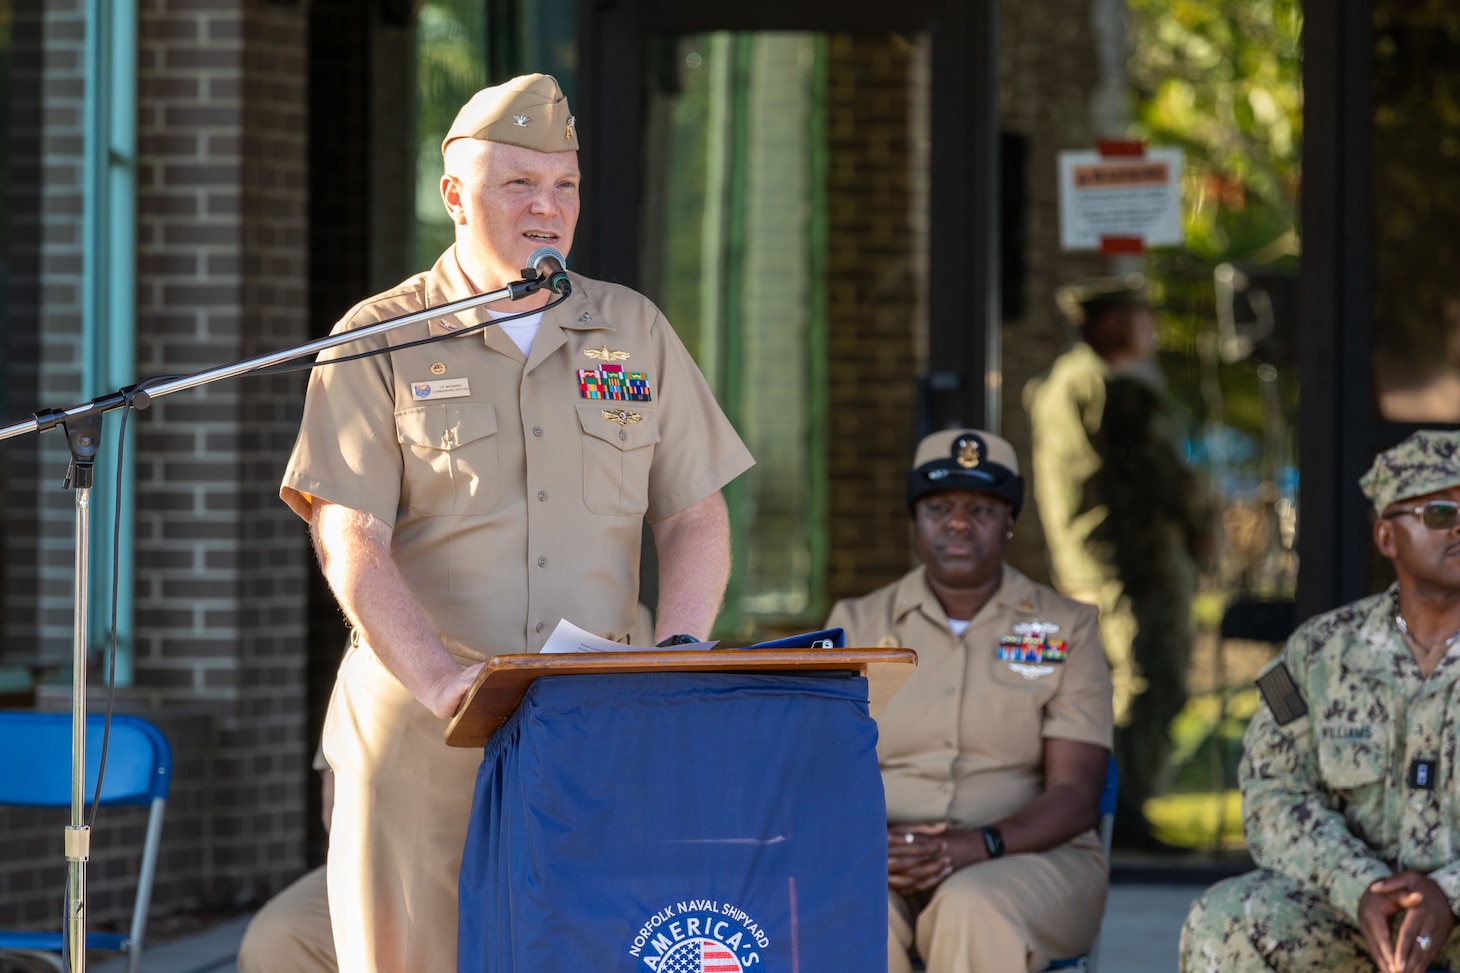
1031	642
520	120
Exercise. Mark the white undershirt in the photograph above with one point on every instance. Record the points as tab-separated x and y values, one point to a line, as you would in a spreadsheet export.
522	331
959	625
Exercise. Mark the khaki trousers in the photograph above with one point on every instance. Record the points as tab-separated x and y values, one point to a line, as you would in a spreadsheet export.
402	801
291	933
1014	913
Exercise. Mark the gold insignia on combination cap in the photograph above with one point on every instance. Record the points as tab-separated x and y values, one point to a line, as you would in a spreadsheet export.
965	459
530	111
1427	461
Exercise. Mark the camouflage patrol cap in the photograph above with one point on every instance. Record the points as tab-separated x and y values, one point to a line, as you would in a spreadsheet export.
530	111
1081	301
1427	461
965	459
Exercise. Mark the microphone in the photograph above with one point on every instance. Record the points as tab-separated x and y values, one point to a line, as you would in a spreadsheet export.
552	268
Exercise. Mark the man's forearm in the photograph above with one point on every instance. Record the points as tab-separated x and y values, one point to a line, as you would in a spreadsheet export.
694	567
354	553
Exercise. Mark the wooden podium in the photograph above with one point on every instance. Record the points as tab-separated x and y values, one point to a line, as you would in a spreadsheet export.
504	679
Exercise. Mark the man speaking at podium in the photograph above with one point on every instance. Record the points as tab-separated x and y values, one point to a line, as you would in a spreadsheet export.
993	753
466	495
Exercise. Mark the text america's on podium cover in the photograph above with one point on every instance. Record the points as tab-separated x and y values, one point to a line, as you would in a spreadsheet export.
668	822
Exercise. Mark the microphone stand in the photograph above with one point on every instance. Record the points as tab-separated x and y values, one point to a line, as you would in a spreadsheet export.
83	424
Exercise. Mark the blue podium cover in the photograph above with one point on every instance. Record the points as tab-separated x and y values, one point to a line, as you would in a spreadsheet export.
679	823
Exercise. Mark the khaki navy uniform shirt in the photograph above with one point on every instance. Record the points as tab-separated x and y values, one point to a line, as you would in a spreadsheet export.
1362	784
963	739
515	493
1064	410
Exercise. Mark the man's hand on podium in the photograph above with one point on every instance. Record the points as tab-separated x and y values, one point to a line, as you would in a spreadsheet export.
680	639
445	697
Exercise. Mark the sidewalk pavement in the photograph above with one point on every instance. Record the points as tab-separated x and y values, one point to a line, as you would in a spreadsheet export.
1140	933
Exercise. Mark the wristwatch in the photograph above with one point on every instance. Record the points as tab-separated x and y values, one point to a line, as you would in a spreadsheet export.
993	842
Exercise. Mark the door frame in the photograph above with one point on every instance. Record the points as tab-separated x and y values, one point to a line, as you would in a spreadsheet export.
963	244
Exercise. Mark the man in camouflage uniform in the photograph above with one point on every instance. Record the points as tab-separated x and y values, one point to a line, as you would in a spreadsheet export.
1349	789
1126	521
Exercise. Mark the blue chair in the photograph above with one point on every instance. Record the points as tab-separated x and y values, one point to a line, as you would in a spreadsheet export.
1107	829
36	772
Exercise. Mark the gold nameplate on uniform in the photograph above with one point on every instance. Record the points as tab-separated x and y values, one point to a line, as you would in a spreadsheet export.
447	388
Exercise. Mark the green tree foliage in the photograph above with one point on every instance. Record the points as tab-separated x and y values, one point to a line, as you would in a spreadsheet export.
1221	79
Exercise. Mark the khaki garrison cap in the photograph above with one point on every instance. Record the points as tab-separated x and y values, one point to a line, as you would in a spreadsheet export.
1427	461
530	111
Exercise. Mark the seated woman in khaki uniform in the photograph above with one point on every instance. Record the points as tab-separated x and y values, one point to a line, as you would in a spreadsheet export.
993	753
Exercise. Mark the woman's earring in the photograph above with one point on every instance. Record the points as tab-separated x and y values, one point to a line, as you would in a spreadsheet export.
1010	535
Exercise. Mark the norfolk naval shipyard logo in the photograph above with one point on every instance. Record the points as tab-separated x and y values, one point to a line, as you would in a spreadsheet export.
699	936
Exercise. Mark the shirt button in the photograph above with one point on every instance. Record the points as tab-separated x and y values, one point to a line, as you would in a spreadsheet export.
542	494
950	691
948	744
623	435
539	627
537	431
542	562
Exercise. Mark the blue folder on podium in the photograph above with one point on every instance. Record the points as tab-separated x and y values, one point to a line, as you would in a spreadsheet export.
716	821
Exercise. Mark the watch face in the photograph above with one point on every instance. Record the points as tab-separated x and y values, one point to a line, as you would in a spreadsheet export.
993	841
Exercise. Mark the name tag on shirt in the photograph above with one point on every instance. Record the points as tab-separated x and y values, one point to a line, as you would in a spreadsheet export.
443	388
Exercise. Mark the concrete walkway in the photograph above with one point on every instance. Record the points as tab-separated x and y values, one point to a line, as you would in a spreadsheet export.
1142	926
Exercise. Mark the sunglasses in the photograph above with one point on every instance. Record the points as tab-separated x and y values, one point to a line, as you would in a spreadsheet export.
1436	515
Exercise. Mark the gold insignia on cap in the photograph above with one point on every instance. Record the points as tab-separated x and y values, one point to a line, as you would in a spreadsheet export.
967	456
528	111
621	416
438	368
887	642
605	354
568	131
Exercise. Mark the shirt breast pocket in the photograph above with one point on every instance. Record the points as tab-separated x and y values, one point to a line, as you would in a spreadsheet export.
618	452
449	451
1352	757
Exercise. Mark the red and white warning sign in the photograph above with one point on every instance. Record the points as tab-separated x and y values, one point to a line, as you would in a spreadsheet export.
1120	198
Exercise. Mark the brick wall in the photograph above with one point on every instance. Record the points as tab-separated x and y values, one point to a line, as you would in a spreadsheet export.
221	564
873	325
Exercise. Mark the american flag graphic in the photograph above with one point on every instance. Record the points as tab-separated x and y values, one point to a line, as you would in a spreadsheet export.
700	956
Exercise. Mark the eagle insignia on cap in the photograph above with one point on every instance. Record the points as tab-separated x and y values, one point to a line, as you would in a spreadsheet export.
966	453
568	131
520	120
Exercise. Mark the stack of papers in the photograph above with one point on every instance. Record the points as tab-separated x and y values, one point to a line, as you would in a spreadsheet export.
568	637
